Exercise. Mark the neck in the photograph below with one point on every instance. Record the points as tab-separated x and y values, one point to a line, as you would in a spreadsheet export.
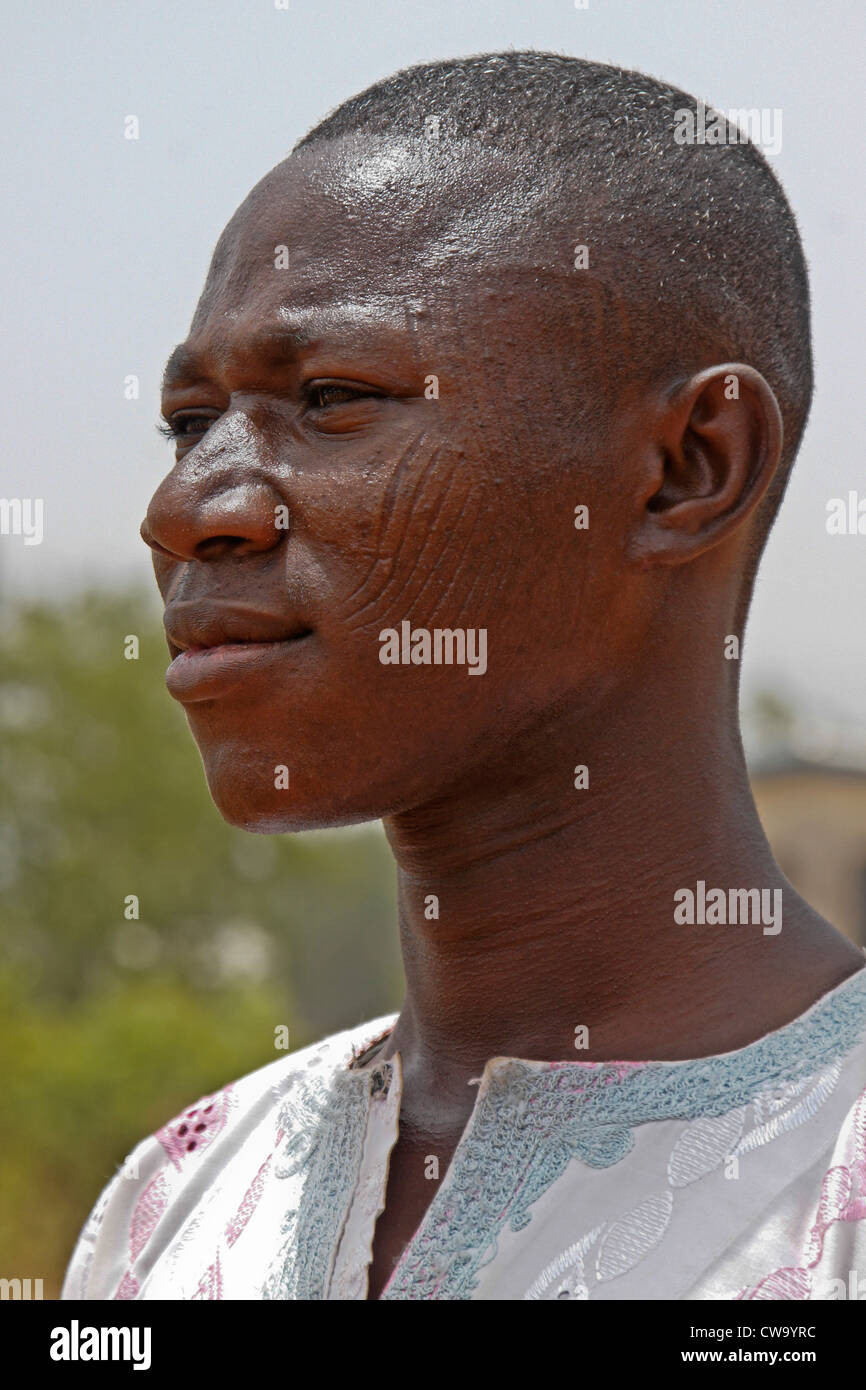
530	909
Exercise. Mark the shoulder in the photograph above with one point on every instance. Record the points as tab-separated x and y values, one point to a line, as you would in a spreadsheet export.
209	1155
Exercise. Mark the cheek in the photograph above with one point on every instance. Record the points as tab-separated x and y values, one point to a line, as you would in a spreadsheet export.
430	542
425	537
459	529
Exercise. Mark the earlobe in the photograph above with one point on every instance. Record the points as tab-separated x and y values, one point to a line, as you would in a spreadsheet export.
718	444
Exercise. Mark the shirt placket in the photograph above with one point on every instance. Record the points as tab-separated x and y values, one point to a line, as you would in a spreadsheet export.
355	1245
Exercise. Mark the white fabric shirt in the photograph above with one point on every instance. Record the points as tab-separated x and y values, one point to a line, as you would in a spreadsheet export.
736	1176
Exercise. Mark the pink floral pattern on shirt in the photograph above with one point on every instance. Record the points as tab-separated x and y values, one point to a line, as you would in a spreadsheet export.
842	1198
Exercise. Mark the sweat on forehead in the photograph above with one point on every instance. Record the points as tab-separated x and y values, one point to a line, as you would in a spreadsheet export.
375	210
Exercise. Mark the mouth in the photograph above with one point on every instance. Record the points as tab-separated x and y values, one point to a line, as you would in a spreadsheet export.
202	673
212	652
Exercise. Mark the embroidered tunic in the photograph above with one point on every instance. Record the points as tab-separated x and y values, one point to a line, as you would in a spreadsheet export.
734	1176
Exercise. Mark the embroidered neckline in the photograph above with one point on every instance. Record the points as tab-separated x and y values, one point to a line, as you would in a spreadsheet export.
532	1118
325	1120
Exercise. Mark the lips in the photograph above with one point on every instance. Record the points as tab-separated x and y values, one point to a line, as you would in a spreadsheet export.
203	623
213	645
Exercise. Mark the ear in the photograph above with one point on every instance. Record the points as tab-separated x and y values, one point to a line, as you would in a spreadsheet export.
718	442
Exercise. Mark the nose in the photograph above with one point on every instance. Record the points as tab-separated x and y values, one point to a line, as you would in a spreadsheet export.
202	512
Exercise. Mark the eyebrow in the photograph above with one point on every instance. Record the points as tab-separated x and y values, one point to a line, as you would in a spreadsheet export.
183	367
186	365
278	341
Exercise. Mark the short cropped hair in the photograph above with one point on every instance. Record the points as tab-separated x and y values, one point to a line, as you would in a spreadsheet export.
702	242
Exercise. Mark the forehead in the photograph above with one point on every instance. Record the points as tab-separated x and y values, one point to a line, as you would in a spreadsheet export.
365	229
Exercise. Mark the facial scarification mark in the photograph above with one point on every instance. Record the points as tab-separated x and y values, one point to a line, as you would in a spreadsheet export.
477	556
447	563
439	484
389	527
422	509
405	500
423	512
496	576
442	551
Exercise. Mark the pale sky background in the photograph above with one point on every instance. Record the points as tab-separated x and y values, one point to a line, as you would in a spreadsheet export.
108	241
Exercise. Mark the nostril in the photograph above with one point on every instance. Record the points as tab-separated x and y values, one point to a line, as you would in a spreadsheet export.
219	547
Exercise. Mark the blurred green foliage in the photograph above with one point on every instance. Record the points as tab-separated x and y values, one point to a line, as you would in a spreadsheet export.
109	1026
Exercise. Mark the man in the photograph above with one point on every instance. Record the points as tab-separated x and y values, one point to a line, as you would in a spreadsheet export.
484	415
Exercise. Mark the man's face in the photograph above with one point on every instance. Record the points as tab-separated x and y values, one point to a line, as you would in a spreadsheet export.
378	425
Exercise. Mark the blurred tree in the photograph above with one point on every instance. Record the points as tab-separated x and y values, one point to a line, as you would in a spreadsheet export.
112	1023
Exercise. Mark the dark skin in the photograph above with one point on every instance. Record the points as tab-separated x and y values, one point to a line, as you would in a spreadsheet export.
304	388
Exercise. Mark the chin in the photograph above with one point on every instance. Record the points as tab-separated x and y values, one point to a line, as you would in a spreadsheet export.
313	800
261	820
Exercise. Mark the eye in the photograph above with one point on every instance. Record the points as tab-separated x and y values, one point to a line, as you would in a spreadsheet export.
186	426
325	393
